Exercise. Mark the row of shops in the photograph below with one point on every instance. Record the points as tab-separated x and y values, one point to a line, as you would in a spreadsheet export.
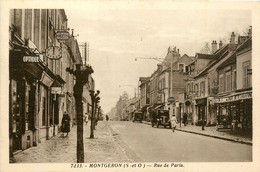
232	111
40	89
36	108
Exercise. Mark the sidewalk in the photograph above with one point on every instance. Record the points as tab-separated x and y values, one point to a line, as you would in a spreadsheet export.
212	132
103	148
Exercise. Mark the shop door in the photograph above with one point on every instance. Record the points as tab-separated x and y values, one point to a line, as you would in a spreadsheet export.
201	112
32	109
18	116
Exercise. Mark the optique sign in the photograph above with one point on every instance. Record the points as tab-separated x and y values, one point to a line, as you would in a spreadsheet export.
31	59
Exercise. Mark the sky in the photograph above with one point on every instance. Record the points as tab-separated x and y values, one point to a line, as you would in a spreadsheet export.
117	36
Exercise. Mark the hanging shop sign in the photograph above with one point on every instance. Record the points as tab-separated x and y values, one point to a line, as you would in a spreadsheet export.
55	90
46	79
62	35
53	52
187	103
171	99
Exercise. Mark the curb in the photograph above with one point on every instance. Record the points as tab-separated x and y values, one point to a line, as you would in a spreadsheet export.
208	135
218	137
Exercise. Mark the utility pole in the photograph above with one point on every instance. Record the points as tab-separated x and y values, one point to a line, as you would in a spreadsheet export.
82	76
94	99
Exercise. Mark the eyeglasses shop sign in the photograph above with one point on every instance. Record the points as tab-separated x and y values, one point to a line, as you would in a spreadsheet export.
33	59
62	35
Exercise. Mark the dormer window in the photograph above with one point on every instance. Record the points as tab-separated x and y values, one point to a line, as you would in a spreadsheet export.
181	67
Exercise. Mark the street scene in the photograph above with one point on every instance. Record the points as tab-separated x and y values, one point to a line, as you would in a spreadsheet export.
98	87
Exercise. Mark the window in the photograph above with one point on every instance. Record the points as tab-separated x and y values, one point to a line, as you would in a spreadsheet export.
181	67
228	85
202	88
234	80
221	83
246	76
163	83
196	89
188	88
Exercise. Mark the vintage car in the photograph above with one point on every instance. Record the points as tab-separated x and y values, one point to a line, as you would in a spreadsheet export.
138	116
161	117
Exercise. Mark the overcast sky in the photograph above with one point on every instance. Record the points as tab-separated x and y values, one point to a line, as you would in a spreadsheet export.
116	37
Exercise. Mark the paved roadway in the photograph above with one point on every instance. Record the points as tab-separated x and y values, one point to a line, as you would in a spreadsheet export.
162	145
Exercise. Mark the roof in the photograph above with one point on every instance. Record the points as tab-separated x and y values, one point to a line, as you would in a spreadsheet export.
229	61
246	44
204	56
174	56
142	79
225	51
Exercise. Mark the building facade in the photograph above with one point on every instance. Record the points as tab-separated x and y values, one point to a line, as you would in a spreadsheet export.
40	89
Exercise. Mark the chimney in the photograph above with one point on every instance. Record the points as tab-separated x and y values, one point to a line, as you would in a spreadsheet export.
232	39
250	31
214	46
220	44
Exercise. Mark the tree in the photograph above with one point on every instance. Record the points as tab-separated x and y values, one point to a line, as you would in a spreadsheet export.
81	79
206	49
94	99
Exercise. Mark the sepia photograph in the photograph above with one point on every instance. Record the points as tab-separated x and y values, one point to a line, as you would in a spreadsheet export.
129	85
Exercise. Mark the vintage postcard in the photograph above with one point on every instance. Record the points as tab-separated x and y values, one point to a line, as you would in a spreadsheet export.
129	85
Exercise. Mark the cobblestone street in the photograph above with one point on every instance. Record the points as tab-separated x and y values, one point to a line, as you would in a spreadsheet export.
63	149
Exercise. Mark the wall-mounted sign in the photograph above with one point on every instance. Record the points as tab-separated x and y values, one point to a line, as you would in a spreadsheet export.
31	59
53	52
62	35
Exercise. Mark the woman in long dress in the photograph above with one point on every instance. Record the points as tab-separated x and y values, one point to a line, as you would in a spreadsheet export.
65	128
173	122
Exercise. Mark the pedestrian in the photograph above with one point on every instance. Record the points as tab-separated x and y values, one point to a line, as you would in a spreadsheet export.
65	123
173	122
86	118
107	118
185	118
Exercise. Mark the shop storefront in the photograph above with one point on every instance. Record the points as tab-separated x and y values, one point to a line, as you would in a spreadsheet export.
23	94
201	109
235	111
